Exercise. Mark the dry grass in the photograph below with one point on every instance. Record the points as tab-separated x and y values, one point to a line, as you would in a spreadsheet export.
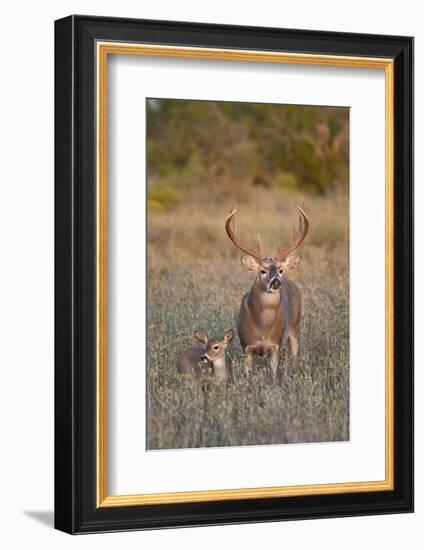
196	281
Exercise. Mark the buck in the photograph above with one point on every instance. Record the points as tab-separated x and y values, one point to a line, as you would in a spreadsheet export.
209	360
270	312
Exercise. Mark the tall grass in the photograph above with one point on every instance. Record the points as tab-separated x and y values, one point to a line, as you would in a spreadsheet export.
196	281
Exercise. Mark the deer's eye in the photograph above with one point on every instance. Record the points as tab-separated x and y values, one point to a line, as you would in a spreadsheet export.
216	348
263	271
281	271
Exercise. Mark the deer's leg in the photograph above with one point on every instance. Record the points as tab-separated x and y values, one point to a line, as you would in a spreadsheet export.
248	360
275	356
294	346
293	335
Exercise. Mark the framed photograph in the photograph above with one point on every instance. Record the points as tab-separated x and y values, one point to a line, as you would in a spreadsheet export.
234	274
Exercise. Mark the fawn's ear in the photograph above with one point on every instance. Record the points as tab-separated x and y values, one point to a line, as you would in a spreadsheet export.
291	262
228	336
250	263
201	336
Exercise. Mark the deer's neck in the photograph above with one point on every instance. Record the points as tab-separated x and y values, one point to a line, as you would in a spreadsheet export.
220	368
265	307
263	298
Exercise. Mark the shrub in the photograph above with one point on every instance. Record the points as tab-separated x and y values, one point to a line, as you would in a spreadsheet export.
162	198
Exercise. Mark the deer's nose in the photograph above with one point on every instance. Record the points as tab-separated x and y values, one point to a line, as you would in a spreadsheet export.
204	358
275	283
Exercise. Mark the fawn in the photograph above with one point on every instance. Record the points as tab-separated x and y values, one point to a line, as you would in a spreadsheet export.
209	361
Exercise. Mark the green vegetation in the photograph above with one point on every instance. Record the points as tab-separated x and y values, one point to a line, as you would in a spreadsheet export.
229	144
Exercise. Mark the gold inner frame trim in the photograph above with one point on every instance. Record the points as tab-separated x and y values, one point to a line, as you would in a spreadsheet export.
103	50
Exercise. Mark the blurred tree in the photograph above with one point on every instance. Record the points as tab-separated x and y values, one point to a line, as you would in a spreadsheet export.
233	143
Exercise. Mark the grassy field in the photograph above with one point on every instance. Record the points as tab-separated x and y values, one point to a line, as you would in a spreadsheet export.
196	281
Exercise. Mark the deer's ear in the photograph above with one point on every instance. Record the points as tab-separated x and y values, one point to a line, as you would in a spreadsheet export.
250	263
201	336
228	336
291	262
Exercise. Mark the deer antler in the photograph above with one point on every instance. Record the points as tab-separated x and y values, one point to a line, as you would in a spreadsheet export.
231	232
284	251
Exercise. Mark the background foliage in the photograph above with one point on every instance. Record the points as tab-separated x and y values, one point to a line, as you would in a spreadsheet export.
227	144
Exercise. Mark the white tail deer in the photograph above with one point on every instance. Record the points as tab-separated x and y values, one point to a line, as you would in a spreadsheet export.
209	360
270	311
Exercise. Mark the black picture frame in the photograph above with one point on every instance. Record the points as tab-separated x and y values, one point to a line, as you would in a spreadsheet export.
76	510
